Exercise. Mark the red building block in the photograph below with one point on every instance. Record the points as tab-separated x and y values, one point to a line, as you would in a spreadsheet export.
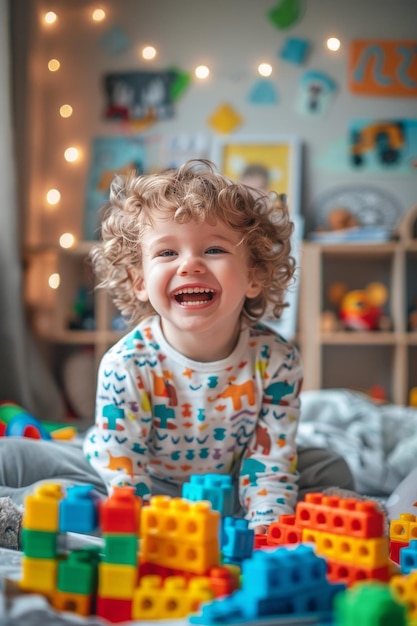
343	516
284	531
222	581
114	610
394	550
120	513
338	572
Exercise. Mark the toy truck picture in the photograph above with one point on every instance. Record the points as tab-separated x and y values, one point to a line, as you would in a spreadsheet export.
385	138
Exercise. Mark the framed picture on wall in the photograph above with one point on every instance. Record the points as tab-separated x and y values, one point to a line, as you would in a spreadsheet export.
271	163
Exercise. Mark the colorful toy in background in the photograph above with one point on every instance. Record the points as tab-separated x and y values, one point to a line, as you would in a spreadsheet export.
328	563
360	309
17	422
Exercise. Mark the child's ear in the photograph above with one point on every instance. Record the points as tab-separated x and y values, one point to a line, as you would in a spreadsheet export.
138	285
254	287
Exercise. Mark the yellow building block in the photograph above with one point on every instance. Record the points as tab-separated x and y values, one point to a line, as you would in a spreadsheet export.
371	553
171	598
42	508
180	520
72	602
404	528
116	581
187	557
404	589
39	575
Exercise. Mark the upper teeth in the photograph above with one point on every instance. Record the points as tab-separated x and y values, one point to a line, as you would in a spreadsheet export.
194	290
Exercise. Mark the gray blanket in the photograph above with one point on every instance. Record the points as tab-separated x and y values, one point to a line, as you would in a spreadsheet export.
379	441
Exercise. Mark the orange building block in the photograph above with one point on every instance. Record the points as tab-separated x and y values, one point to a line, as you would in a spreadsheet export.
342	516
72	602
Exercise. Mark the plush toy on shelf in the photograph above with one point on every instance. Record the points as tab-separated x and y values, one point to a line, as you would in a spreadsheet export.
361	309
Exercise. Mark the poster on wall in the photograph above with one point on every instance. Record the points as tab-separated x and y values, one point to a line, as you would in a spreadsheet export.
383	145
137	95
383	68
271	163
109	156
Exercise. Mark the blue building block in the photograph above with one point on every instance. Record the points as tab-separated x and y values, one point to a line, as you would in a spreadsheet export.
408	557
237	540
279	582
78	511
216	488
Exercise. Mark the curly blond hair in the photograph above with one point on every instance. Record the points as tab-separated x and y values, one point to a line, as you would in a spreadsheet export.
194	191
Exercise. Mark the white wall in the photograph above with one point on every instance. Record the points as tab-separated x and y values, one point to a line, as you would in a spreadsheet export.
231	37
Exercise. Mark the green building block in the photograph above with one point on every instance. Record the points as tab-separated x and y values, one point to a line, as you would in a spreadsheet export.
121	549
39	544
78	572
368	604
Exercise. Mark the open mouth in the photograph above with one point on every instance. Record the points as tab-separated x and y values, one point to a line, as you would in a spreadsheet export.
194	296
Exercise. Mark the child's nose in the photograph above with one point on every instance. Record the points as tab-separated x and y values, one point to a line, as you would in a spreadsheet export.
191	265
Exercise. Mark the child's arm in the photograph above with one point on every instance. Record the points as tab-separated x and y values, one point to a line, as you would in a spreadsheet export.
117	444
268	476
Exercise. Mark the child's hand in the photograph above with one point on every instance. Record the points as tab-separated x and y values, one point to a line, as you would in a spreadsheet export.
261	530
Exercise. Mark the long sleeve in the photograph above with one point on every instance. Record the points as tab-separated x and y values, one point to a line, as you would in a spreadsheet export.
268	475
117	445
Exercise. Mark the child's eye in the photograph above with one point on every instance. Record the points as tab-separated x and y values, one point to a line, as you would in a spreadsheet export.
215	251
167	253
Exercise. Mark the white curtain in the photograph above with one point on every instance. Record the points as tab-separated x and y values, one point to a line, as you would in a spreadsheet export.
24	377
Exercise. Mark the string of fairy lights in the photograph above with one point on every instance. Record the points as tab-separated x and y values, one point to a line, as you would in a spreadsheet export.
66	110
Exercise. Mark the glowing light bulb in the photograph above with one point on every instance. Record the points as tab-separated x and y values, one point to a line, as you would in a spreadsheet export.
66	240
333	44
265	69
202	72
71	154
98	15
65	110
53	196
149	52
54	281
54	65
50	17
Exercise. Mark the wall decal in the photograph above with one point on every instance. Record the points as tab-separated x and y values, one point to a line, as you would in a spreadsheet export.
115	40
385	145
383	68
225	119
263	92
295	50
316	91
285	13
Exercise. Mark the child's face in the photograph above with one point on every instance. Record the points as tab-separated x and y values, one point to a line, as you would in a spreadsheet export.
196	277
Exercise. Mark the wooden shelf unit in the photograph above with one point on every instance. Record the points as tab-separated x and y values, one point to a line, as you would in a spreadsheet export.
355	359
